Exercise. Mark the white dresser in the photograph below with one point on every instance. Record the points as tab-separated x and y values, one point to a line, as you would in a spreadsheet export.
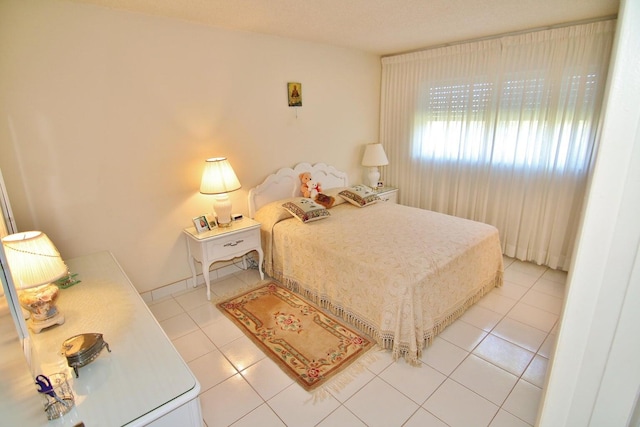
143	381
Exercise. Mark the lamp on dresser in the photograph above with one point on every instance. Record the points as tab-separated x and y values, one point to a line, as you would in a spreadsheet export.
374	156
35	262
219	179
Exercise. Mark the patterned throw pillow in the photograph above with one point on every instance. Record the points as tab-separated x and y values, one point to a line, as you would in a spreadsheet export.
306	210
360	195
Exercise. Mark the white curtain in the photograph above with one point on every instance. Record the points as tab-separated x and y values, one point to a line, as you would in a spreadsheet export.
500	131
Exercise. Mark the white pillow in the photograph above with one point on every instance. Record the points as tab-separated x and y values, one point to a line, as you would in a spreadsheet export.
306	210
360	195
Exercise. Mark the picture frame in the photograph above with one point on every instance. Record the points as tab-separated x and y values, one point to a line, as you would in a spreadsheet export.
212	220
294	94
201	223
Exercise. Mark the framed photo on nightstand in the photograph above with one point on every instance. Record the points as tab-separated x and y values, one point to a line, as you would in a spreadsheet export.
211	219
201	224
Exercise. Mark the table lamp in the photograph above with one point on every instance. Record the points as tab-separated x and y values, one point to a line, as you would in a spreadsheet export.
374	156
219	179
34	263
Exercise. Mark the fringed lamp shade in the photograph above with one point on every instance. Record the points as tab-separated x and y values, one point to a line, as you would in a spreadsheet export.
34	263
219	179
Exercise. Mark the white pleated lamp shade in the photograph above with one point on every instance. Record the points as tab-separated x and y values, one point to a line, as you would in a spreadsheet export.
33	259
218	177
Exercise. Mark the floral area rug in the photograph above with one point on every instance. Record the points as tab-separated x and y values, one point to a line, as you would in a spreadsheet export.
301	338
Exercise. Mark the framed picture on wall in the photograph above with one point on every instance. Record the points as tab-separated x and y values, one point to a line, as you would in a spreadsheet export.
294	91
201	224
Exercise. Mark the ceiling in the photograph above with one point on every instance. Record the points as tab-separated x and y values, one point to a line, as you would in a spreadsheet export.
377	26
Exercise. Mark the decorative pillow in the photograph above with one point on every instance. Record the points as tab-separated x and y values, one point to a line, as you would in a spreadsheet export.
306	210
360	195
333	192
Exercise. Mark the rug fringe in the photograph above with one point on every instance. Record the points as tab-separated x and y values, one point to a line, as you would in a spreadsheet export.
342	379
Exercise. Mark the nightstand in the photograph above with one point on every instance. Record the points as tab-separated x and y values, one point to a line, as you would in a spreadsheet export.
223	243
388	194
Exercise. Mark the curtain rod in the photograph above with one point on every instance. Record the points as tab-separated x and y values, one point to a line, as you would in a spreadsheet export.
512	33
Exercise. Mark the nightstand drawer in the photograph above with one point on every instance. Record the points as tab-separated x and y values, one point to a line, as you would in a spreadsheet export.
388	194
228	246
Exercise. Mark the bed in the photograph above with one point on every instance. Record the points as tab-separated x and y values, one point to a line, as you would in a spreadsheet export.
398	274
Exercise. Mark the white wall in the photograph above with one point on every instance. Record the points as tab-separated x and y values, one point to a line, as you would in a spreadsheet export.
594	378
106	118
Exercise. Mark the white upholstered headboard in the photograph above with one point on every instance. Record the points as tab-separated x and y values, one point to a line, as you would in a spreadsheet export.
286	183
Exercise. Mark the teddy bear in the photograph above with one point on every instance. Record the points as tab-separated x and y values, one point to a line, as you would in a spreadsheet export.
305	177
314	188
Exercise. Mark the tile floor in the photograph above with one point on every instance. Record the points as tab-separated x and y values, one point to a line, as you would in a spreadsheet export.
486	369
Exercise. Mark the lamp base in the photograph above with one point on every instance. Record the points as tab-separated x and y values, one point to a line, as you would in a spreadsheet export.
38	325
373	176
222	206
41	303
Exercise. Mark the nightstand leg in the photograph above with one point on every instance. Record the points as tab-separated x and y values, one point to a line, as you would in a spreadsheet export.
192	265
205	273
260	260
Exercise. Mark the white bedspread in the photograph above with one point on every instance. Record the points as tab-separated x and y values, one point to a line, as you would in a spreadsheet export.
398	274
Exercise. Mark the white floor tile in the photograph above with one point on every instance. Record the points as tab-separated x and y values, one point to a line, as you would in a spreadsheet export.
505	419
511	290
211	369
481	317
528	268
550	287
519	333
242	352
266	378
222	332
464	335
341	417
178	326
443	356
523	401
296	407
228	402
262	416
424	418
355	382
536	371
504	354
205	314
547	347
193	345
533	316
165	309
486	379
496	302
519	277
417	383
372	405
555	275
383	359
458	406
543	301
227	287
193	298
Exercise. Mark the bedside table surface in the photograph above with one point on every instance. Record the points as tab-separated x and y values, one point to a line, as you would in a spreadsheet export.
240	225
385	189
